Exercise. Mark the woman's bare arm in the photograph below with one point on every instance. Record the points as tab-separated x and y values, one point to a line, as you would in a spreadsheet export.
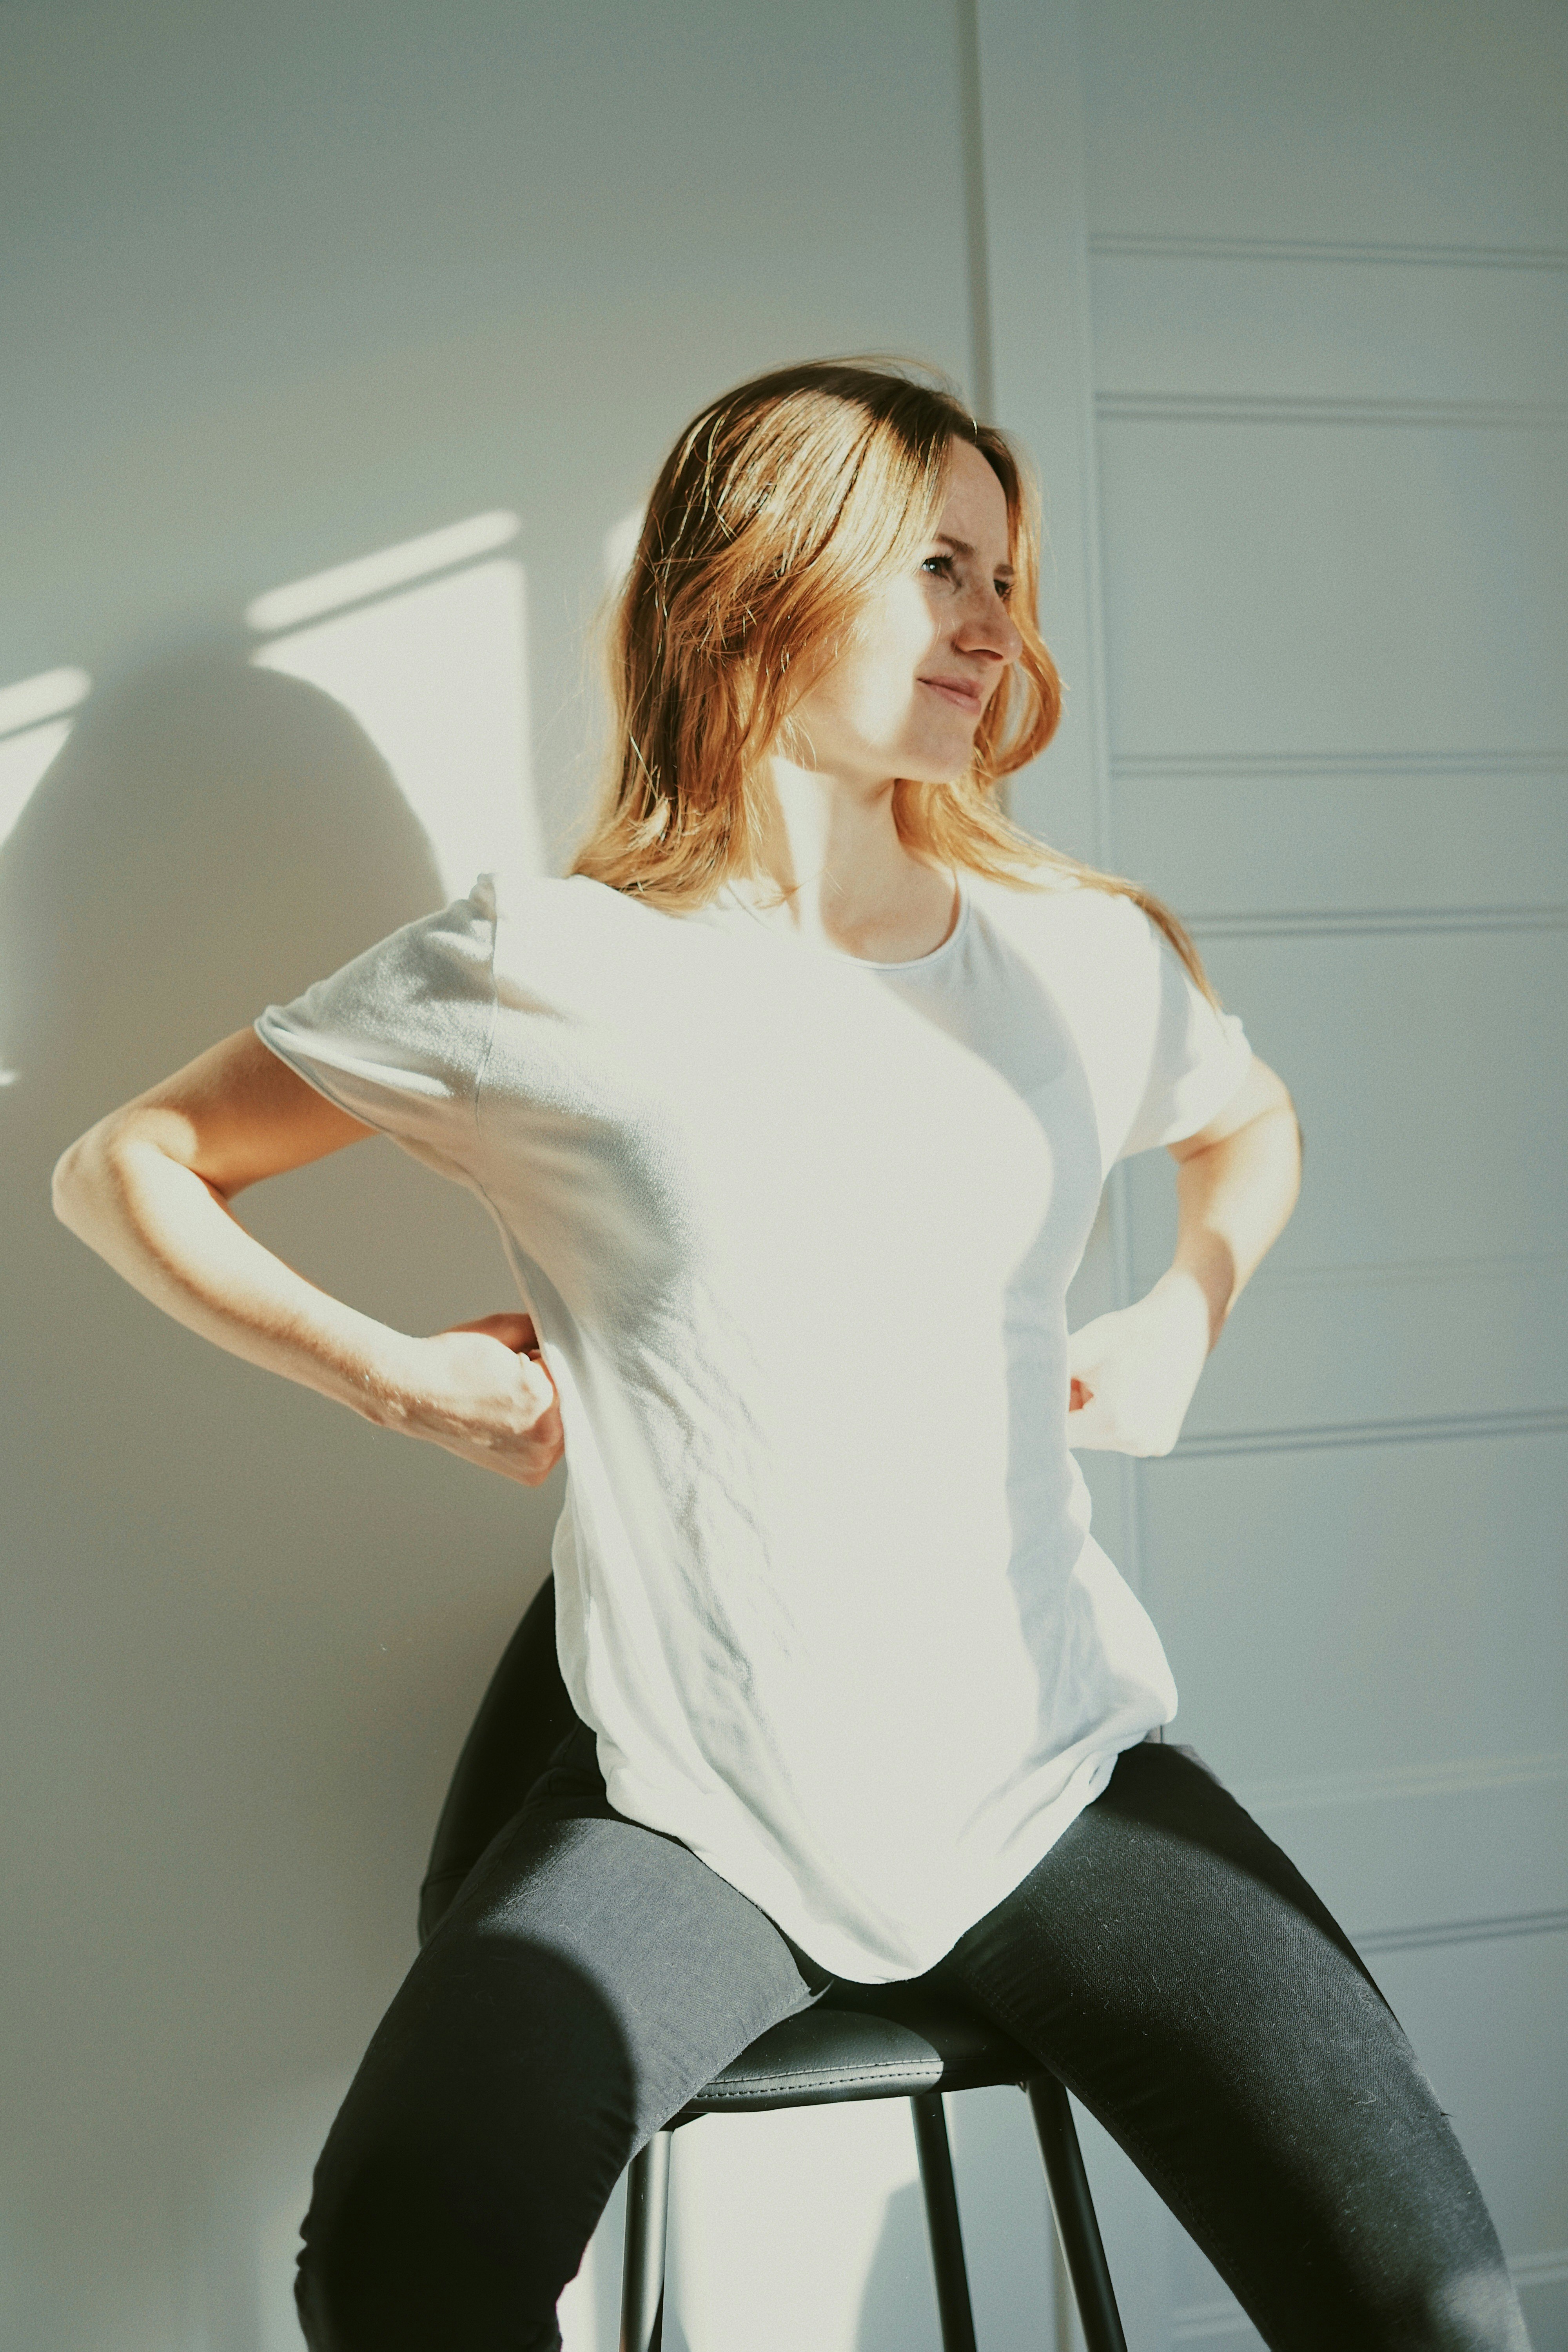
1133	1371
148	1187
1238	1179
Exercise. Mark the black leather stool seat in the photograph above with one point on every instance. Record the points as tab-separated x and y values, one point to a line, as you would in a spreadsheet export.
883	2042
913	2041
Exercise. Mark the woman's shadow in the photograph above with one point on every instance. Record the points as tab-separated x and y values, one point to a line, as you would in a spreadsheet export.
248	1631
898	2307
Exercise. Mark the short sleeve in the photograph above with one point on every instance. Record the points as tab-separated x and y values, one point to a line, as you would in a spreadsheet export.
1191	1058
399	1036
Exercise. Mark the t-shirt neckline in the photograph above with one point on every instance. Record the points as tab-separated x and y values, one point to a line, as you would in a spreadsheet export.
865	963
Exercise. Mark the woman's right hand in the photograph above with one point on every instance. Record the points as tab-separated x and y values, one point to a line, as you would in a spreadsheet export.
481	1390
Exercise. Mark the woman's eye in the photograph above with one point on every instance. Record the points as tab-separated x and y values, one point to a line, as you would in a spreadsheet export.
947	567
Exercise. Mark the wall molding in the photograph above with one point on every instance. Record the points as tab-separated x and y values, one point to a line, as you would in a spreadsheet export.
1462	1776
1036	267
1502	1929
1516	1265
1135	245
1432	1429
1310	408
1332	922
1540	2270
1199	2323
977	237
1186	767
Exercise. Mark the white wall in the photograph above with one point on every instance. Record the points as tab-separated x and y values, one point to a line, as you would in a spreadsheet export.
287	284
291	284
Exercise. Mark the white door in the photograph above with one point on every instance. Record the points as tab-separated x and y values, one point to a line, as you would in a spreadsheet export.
1280	297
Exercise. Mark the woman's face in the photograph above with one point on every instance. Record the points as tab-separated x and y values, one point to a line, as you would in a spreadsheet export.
904	699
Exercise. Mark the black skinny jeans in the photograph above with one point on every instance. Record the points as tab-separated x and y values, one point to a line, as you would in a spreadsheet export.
1165	1959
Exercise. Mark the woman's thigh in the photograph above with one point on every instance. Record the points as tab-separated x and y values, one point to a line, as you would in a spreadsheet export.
590	1977
1168	1962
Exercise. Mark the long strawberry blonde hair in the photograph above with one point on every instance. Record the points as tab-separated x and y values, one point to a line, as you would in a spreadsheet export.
777	515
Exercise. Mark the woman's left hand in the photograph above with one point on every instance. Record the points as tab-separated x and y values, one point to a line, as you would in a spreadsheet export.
1133	1371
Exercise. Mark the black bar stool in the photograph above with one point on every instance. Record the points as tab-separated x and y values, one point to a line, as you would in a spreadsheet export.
860	2041
883	2042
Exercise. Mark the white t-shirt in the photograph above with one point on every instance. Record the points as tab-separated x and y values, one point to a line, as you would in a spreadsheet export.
797	1231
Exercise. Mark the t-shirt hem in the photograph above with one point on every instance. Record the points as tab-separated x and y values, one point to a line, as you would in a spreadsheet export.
846	1958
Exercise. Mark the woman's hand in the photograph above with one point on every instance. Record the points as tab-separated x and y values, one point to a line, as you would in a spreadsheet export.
481	1390
1133	1371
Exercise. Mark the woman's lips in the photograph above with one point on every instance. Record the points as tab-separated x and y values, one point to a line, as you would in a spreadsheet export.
967	698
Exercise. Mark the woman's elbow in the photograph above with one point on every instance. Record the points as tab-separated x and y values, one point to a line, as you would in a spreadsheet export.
85	1178
1288	1105
1278	1099
69	1184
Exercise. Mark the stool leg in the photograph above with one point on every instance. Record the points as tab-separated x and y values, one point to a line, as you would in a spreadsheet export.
1076	2223
642	2280
954	2308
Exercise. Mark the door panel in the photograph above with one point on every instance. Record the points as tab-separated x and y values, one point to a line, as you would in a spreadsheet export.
1364	1607
1426	122
1427	1077
1330	586
1321	1351
1319	320
1475	833
1194	325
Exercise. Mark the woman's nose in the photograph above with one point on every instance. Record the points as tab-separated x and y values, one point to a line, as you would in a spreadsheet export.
989	627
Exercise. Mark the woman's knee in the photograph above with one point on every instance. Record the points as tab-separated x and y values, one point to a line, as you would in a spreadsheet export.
1470	2309
406	2253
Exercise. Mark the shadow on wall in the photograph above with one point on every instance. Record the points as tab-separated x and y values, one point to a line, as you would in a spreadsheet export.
246	1631
208	831
898	2309
1020	2300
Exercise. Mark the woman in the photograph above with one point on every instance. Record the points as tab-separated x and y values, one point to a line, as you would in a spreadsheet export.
794	1104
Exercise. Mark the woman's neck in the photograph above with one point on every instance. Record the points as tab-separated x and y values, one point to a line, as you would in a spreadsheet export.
835	874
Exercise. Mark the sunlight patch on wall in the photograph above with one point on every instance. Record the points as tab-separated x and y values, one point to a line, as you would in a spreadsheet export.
389	567
621	545
27	750
31	698
437	676
846	2178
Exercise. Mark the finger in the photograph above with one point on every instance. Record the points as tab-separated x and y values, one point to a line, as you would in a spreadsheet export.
1078	1395
537	1384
